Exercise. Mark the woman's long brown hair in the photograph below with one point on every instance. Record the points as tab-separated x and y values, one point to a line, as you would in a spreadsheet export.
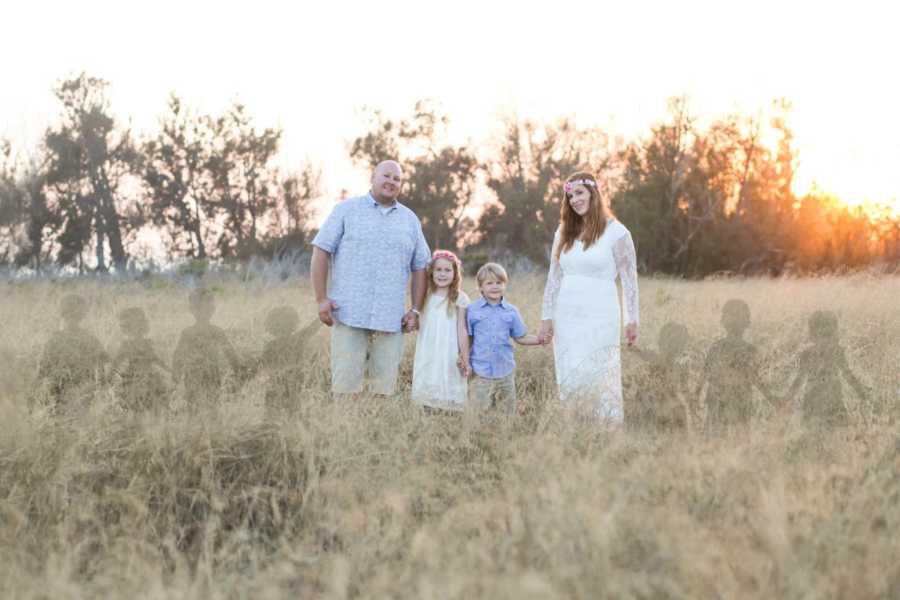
588	228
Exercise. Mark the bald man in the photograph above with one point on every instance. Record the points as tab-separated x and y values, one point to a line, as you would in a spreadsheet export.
373	246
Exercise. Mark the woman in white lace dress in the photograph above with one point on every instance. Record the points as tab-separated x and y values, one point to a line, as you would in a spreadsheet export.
581	310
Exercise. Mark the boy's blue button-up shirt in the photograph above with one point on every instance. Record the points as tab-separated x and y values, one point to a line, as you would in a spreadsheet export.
491	327
373	251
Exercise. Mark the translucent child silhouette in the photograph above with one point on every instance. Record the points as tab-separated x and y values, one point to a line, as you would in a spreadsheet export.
665	403
141	385
283	358
731	371
201	352
819	372
73	361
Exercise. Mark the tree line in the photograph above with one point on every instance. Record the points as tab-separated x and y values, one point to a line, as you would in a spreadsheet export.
698	198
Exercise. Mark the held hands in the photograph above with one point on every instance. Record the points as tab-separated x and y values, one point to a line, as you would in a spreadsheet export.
545	335
462	363
325	308
410	321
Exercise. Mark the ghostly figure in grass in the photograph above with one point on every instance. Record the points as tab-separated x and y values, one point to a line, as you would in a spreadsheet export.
141	385
731	371
73	362
820	370
282	361
663	399
202	353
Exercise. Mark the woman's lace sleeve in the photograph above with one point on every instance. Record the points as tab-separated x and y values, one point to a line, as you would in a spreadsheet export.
554	280
626	267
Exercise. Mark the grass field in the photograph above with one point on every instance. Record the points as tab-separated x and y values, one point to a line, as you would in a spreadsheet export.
375	499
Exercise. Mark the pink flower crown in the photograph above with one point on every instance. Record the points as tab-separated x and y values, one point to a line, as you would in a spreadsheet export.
446	255
570	185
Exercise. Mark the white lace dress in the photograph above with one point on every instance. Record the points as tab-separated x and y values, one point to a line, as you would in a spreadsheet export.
582	300
437	382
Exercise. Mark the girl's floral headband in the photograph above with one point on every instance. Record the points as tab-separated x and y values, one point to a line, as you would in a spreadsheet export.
446	255
570	185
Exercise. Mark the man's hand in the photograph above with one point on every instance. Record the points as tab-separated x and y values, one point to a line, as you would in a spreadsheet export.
631	333
410	321
325	308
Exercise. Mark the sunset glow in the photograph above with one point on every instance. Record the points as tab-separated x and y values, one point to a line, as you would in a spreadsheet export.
611	65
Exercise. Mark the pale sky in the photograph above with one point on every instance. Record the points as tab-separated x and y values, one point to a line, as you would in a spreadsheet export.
310	67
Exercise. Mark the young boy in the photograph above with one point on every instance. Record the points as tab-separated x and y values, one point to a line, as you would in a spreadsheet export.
491	322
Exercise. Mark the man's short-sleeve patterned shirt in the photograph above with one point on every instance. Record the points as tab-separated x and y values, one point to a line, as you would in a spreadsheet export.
373	251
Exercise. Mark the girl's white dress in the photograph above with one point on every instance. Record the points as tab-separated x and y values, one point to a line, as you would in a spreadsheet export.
437	382
582	300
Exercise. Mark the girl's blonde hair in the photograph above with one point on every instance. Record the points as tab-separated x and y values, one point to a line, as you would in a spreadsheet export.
453	289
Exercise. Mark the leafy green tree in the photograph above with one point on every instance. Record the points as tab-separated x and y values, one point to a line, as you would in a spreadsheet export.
652	198
179	190
526	178
767	205
11	203
88	158
26	221
440	179
211	183
243	180
701	201
289	228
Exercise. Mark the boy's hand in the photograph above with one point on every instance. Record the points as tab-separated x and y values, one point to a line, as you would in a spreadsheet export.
545	334
462	363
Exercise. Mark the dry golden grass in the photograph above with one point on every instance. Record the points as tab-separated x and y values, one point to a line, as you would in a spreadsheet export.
375	499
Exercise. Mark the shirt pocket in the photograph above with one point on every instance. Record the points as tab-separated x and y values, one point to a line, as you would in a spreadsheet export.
401	242
509	324
473	321
355	229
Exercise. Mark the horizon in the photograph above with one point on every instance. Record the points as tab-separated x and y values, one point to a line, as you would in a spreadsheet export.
842	104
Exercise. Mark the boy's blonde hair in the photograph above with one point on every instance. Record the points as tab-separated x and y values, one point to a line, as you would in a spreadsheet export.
491	270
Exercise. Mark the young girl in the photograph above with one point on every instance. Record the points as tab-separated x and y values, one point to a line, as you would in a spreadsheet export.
442	347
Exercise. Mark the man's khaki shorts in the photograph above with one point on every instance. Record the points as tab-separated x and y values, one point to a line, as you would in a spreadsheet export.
358	354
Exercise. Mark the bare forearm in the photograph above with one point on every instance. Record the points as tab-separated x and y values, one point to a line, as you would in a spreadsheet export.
528	340
463	341
319	273
418	289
